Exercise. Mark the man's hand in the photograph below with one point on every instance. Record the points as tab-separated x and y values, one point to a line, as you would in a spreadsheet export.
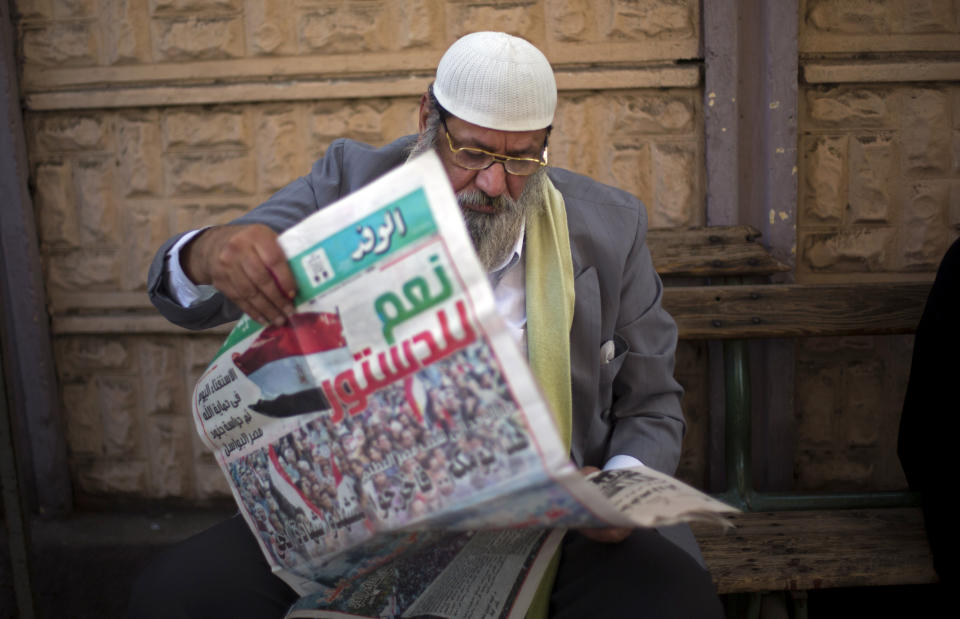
246	264
607	535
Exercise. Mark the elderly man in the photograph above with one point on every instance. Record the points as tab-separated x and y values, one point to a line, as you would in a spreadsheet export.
488	116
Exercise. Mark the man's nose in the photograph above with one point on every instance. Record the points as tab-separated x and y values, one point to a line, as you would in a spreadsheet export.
493	180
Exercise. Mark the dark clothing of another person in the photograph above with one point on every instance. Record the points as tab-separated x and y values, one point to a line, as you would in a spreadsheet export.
928	426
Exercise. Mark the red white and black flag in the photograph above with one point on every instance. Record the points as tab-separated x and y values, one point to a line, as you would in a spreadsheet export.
284	362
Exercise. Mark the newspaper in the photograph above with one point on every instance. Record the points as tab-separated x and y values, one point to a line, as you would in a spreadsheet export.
389	446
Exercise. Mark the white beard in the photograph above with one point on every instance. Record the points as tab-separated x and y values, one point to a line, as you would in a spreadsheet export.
494	235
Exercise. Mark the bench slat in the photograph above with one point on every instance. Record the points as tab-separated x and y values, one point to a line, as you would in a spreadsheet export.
794	310
771	551
711	252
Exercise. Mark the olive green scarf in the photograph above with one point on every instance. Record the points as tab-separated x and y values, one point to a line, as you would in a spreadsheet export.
549	299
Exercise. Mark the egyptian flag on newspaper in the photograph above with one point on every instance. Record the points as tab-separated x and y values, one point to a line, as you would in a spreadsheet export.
285	361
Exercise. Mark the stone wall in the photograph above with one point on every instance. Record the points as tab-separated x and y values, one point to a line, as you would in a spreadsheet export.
147	118
879	200
881	194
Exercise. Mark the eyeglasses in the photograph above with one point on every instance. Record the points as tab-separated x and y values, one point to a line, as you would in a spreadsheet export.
479	159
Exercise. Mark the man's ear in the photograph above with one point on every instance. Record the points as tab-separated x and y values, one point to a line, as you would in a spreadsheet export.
424	111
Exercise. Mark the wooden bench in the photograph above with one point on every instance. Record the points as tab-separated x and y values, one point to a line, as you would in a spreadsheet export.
788	541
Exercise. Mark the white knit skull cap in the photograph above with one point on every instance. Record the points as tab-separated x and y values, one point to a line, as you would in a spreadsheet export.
498	81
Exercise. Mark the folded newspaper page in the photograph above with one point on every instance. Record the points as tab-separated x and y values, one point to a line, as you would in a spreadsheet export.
389	446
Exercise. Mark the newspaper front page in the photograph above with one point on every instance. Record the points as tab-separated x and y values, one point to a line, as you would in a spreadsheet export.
388	446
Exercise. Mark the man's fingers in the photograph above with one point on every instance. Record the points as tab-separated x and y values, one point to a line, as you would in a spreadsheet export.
610	535
276	265
252	300
607	535
237	286
249	267
261	290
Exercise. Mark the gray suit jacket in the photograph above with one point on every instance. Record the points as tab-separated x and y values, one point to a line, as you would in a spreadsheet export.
629	405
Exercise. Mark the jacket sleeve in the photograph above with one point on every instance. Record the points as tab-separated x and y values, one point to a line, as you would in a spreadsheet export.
627	404
288	206
646	413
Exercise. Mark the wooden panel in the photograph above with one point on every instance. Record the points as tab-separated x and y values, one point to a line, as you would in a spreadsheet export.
66	302
176	84
126	324
817	549
711	252
927	70
571	74
794	310
701	312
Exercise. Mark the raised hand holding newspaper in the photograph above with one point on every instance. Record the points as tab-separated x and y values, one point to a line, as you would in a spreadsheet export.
388	446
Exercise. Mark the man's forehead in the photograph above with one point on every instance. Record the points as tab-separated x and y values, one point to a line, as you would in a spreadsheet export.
496	140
